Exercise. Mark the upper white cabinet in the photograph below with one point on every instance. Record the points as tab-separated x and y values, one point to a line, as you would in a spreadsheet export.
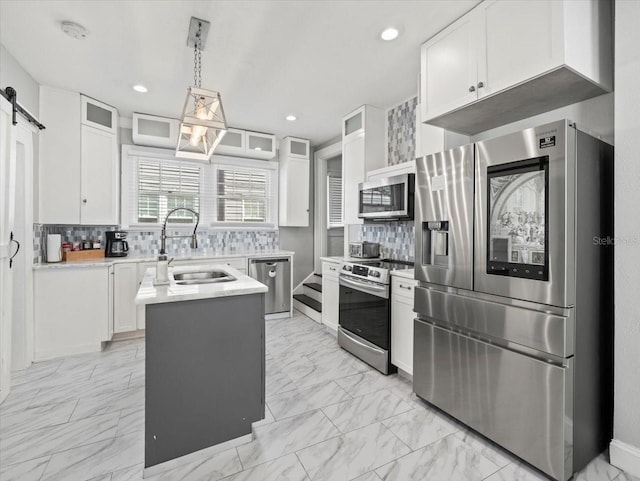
511	59
99	115
99	177
293	189
59	157
78	161
243	143
363	149
154	131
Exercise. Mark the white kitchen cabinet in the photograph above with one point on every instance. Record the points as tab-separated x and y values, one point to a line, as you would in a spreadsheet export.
125	288
330	295
244	143
155	131
59	157
72	310
78	167
431	139
99	179
511	59
293	189
402	316
140	310
363	149
99	115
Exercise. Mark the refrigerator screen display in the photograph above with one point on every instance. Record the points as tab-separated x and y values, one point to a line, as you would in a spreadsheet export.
517	237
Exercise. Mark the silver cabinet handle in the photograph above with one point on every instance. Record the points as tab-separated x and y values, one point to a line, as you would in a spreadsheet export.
480	85
472	89
84	201
402	286
332	268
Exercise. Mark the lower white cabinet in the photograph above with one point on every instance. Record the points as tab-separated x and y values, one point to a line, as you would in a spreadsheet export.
72	310
330	295
402	316
140	310
125	287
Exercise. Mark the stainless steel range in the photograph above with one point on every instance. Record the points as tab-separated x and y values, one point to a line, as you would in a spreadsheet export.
365	312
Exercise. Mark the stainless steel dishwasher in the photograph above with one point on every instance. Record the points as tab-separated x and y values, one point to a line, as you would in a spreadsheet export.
275	273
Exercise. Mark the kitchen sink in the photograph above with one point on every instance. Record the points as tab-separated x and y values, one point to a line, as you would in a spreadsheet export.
203	277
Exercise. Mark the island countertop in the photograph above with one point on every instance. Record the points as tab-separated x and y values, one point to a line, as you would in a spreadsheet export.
148	293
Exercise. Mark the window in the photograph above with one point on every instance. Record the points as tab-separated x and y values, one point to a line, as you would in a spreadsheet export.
163	186
243	195
229	192
334	201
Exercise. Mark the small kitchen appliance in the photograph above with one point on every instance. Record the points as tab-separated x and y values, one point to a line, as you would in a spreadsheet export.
387	199
364	249
116	246
54	248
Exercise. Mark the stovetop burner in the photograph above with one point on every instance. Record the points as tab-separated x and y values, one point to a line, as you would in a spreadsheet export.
390	264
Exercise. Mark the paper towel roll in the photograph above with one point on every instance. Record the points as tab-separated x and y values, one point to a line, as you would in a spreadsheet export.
54	248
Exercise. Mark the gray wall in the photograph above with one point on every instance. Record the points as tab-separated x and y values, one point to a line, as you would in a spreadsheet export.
13	75
300	239
627	225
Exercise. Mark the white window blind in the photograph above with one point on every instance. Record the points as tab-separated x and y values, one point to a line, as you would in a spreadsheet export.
334	201
244	195
163	186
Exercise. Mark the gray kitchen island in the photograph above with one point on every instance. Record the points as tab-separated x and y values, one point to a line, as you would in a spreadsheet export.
205	361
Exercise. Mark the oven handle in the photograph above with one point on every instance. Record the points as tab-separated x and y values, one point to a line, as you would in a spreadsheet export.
368	346
379	291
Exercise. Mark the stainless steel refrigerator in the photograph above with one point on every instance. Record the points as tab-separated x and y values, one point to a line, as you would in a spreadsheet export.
513	334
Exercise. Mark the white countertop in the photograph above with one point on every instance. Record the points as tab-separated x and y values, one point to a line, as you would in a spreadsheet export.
150	294
107	261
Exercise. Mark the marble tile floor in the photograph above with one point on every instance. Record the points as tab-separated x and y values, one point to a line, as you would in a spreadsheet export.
329	417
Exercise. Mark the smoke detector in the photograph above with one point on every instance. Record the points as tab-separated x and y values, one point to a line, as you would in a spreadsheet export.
74	30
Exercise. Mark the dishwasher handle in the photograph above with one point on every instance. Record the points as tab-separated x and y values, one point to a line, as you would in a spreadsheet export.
268	262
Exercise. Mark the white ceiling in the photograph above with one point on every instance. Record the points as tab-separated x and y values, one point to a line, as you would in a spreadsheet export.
315	59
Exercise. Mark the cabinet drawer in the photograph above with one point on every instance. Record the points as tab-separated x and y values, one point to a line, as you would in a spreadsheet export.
330	269
403	287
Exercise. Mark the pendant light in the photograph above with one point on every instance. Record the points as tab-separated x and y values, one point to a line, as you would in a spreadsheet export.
203	122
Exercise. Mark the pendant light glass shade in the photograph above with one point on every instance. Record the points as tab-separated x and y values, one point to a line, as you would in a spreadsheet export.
203	124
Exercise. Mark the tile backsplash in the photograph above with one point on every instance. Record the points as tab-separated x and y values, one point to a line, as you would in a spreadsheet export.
401	132
396	239
143	243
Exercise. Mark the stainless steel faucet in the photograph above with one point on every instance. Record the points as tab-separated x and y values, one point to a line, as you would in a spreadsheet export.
164	236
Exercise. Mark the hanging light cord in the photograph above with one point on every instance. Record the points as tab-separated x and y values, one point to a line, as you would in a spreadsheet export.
197	58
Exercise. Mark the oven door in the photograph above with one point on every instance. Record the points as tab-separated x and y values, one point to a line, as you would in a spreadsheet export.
365	311
524	215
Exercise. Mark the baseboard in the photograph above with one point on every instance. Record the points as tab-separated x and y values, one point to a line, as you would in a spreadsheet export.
125	336
48	354
625	456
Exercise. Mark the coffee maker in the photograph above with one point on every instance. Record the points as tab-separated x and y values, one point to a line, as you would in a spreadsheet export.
116	244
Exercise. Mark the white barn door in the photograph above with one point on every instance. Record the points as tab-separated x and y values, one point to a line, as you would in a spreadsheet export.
7	246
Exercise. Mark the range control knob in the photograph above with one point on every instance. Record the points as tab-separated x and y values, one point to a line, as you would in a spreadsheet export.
347	268
375	274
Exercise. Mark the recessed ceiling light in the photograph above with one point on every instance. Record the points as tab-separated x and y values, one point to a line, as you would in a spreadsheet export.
140	88
290	117
389	34
74	30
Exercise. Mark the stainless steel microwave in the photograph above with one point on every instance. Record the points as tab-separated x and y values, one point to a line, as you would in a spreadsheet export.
390	198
